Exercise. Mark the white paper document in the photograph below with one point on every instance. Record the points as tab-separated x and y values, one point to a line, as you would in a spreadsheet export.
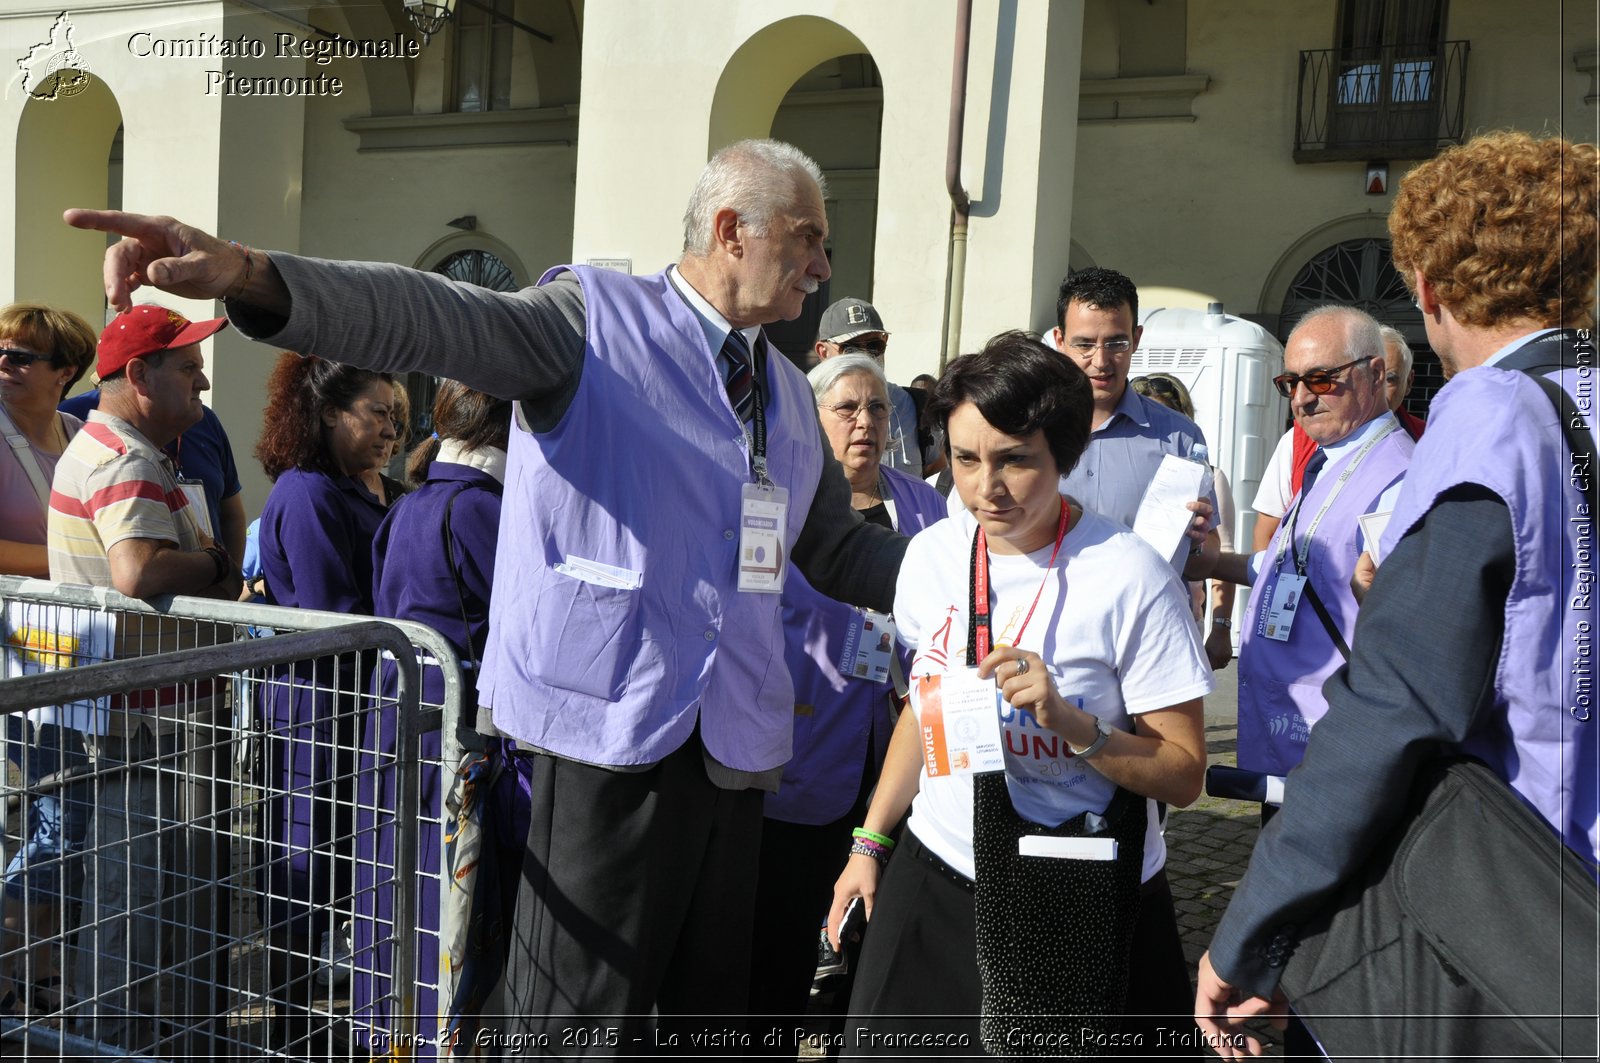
1372	526
1163	514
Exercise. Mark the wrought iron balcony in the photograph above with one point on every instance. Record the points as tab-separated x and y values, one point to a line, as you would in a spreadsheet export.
1393	102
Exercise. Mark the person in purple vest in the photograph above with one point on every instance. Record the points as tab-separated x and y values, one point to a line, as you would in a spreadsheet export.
839	657
664	472
1335	386
1469	640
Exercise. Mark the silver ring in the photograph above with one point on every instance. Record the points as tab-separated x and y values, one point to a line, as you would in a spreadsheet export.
1022	666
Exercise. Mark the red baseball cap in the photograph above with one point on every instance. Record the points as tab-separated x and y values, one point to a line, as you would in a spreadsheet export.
146	330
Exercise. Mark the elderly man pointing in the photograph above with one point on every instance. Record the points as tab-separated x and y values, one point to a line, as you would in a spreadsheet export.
664	469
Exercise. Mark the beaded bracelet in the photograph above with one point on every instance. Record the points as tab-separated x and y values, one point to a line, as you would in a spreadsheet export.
862	847
249	268
863	834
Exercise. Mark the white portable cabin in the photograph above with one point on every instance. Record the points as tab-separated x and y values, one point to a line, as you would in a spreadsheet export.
1227	363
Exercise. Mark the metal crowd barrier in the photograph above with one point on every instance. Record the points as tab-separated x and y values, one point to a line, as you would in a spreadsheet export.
207	807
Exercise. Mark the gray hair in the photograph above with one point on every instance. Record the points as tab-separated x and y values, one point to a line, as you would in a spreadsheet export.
1363	335
745	176
1392	335
830	371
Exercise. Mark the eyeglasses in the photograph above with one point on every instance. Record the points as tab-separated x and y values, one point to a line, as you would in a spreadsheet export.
1318	381
1122	346
22	359
877	409
873	345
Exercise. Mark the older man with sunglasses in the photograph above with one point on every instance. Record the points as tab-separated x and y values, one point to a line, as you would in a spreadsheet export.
1301	614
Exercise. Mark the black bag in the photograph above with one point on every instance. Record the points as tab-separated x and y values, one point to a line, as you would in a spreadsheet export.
1471	933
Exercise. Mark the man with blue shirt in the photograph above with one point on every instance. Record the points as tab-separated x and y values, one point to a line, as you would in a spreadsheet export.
1097	312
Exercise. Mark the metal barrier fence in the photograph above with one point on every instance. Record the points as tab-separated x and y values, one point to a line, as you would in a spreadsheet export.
204	835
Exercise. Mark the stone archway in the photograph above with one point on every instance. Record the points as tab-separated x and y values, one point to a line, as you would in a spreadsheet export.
63	159
777	84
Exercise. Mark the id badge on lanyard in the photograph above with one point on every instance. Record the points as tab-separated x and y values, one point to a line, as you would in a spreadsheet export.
868	645
763	518
1283	605
763	509
195	492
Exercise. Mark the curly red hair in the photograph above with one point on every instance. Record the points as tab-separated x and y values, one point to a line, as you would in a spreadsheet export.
1505	228
300	388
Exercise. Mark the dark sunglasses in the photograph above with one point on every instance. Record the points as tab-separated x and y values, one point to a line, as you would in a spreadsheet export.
865	344
1318	381
22	359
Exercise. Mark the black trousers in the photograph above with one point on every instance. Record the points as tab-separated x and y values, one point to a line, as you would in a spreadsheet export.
918	990
636	896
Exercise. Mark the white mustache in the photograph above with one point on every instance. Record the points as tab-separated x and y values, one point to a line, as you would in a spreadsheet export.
809	285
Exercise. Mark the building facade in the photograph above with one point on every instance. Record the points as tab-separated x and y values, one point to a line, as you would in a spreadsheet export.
1234	151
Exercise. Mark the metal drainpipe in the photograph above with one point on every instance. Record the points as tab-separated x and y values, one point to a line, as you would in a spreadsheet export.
960	205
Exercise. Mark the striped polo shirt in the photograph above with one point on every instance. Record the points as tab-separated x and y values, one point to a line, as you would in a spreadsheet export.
113	484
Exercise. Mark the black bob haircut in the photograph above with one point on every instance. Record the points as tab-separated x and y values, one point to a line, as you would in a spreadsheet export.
1105	288
1021	386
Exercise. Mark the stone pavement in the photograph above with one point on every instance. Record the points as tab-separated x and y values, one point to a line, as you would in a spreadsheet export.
1209	843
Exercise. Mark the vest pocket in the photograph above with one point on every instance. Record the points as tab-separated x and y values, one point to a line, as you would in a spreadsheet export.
587	635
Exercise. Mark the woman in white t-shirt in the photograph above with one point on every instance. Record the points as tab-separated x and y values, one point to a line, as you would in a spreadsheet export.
1100	673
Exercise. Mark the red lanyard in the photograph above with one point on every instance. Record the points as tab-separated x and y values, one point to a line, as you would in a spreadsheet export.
981	622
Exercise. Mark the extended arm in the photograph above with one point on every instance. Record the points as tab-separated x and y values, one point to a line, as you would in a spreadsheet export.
515	345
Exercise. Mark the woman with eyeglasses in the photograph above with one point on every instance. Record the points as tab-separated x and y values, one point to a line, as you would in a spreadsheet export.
843	696
1025	909
43	352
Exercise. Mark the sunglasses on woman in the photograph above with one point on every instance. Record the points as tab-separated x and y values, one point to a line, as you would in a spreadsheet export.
21	359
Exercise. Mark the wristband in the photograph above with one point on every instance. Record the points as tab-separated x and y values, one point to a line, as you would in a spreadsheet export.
219	557
863	834
863	847
1221	621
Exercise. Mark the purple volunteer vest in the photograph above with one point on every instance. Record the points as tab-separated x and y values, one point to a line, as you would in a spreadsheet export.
1280	683
832	731
643	473
1495	428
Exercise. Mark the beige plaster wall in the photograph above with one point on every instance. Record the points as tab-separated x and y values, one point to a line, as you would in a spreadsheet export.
1210	206
633	48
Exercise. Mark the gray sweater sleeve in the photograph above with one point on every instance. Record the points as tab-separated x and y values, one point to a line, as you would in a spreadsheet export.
526	345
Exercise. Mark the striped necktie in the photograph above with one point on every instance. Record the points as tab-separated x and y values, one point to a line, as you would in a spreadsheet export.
738	375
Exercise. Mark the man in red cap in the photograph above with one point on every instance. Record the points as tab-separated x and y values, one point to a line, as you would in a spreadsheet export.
120	519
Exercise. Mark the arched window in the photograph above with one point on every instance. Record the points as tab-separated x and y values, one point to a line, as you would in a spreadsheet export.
471	266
